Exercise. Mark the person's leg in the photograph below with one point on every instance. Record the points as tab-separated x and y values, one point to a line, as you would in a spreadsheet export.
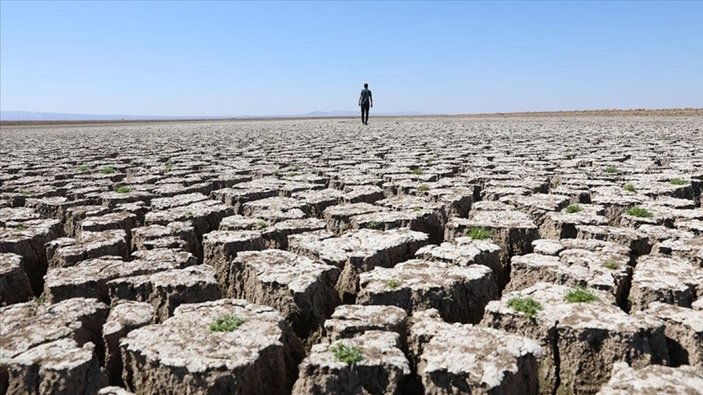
362	113
365	113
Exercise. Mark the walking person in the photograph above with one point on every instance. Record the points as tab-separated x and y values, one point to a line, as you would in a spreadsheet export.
365	102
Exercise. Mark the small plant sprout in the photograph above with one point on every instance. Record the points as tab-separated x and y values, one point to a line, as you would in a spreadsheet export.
611	170
226	323
40	299
393	283
678	181
107	170
26	193
639	212
122	189
417	209
168	166
580	295
574	208
83	168
527	305
349	354
610	264
423	188
261	224
189	214
479	233
20	227
629	187
417	172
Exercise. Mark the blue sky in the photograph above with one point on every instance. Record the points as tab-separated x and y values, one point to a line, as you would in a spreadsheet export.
239	58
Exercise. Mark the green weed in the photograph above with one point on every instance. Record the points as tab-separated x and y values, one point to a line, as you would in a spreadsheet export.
528	306
580	295
226	323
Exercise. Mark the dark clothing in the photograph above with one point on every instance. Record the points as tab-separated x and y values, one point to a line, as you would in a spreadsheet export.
365	111
365	101
365	96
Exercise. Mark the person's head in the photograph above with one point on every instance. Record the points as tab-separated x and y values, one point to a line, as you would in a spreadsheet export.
366	84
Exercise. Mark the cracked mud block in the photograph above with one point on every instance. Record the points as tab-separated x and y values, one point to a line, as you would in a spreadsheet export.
175	189
189	354
614	201
237	197
359	251
181	234
574	267
464	252
467	359
637	242
594	245
426	221
18	214
220	247
653	380
124	317
58	367
177	258
276	235
662	215
456	201
166	203
89	278
413	203
168	289
55	207
666	280
382	368
684	333
276	209
205	216
319	200
538	205
580	341
682	248
89	245
339	217
112	199
563	225
75	215
28	241
363	194
458	293
349	320
512	230
301	289
120	220
14	284
27	326
422	326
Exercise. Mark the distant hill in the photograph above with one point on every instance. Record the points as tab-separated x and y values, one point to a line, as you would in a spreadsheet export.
58	116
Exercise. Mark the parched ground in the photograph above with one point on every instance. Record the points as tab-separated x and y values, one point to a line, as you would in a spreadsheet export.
487	255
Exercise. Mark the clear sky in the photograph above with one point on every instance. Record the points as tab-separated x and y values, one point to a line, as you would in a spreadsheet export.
239	58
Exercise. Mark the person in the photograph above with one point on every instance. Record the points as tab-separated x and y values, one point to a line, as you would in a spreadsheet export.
365	102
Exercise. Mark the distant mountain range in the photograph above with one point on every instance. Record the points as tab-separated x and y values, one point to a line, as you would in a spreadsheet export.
57	116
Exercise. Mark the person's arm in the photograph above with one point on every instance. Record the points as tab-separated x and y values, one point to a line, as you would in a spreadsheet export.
370	99
359	100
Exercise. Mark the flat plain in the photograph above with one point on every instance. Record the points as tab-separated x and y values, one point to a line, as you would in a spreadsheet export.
538	254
